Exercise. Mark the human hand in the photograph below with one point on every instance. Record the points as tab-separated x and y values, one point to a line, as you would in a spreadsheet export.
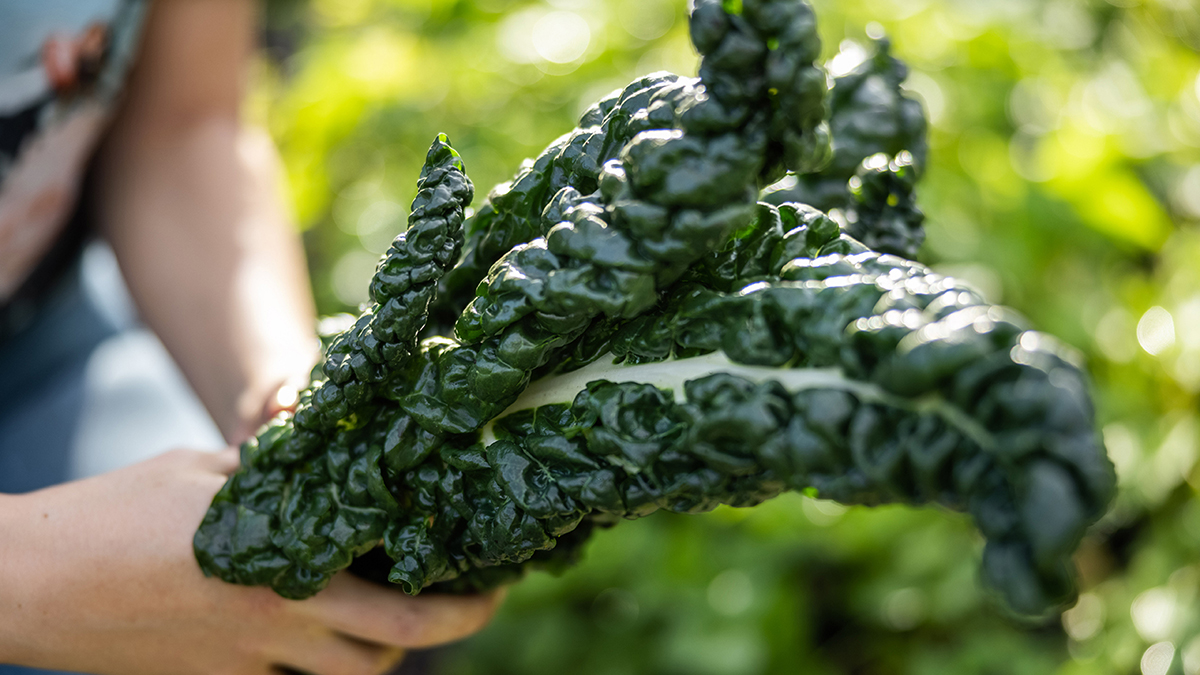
99	576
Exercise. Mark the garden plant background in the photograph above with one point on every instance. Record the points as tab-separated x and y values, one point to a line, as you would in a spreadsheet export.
1064	181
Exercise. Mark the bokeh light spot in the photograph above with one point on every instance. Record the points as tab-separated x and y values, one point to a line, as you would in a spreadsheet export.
1153	613
1157	659
731	592
1086	618
379	224
904	609
1156	331
380	214
351	276
513	36
849	56
561	37
822	512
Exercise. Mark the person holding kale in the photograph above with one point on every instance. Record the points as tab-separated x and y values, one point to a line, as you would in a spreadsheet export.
97	575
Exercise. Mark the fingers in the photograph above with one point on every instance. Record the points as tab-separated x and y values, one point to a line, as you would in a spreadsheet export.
370	612
224	462
332	654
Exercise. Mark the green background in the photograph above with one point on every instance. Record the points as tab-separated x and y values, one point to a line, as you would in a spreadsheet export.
1064	181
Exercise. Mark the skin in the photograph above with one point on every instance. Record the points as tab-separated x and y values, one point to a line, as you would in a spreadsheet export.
106	583
98	575
190	201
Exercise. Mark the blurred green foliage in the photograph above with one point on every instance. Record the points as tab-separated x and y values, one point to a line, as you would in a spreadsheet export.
1064	181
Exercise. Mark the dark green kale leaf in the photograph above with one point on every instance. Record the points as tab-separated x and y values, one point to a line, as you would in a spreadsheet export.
285	501
758	81
882	212
879	153
864	376
631	332
870	114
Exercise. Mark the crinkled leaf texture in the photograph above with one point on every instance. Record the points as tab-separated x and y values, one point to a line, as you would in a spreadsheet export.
624	330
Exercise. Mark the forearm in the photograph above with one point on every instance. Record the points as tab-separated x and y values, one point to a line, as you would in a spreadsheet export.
190	199
213	263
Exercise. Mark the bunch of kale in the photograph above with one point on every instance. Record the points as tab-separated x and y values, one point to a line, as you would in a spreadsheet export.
626	329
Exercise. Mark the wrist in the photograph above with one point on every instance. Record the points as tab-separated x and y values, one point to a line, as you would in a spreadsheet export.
275	387
258	407
278	390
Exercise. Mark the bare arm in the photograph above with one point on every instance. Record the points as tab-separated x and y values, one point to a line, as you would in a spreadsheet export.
98	575
190	200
